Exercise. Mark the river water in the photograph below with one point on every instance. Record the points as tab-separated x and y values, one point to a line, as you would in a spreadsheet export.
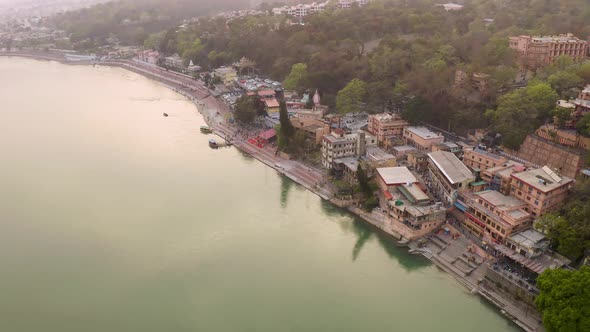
115	218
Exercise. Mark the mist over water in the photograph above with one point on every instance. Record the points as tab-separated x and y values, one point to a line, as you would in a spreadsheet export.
114	218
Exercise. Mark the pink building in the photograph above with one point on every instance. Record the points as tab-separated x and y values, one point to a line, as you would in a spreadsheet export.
534	52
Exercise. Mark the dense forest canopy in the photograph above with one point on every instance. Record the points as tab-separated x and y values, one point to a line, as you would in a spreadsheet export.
132	20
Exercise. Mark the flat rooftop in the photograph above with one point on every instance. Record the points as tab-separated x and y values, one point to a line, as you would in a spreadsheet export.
453	169
487	154
530	238
424	132
350	162
396	175
377	154
404	148
500	200
542	179
413	193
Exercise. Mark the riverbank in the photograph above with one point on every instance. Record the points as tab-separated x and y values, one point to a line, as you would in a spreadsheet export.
214	113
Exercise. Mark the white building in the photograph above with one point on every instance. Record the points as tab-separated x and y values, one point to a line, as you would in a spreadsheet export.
338	145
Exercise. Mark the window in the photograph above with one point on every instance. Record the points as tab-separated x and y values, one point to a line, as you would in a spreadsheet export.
536	202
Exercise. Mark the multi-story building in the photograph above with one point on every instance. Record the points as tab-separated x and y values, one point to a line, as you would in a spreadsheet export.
391	177
150	56
542	189
226	74
539	51
499	177
174	61
386	125
422	138
446	175
418	218
480	160
338	145
454	148
491	215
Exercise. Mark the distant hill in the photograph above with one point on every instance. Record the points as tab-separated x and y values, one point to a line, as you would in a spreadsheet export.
132	20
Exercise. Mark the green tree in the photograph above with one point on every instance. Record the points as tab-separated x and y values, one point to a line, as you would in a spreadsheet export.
286	130
350	98
363	180
246	108
564	299
565	83
583	125
297	78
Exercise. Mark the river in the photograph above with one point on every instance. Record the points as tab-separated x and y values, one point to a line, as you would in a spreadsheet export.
115	218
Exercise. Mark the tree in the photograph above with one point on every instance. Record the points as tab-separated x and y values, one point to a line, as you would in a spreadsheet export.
564	299
565	83
286	129
363	180
297	78
583	125
246	108
349	99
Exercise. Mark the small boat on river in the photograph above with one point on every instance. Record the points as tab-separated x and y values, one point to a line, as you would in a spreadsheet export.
206	130
213	144
165	114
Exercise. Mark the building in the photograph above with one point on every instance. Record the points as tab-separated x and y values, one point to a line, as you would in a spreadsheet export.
386	125
272	107
402	150
529	243
314	129
422	138
349	3
346	168
451	147
150	56
492	216
227	74
499	178
391	177
566	137
417	160
338	145
451	6
446	175
480	160
174	61
542	189
420	219
377	157
539	51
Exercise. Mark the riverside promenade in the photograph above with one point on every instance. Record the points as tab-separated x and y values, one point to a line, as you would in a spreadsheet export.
216	115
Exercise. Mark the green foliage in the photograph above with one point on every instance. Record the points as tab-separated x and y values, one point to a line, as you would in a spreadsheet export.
246	109
569	231
565	83
351	97
564	300
583	125
297	78
287	131
363	180
562	114
521	111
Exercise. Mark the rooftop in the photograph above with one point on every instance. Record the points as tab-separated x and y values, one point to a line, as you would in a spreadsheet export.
396	175
539	264
413	193
387	117
487	154
350	162
530	238
404	148
499	200
271	102
424	132
453	169
542	179
565	38
377	154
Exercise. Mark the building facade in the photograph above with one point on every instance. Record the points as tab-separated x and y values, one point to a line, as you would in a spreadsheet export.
446	175
422	138
338	145
492	216
542	189
386	125
479	159
539	51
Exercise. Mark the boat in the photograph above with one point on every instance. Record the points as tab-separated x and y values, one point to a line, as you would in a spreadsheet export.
165	114
206	130
213	144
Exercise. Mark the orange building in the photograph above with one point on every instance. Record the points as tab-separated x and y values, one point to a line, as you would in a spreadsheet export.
479	159
386	125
